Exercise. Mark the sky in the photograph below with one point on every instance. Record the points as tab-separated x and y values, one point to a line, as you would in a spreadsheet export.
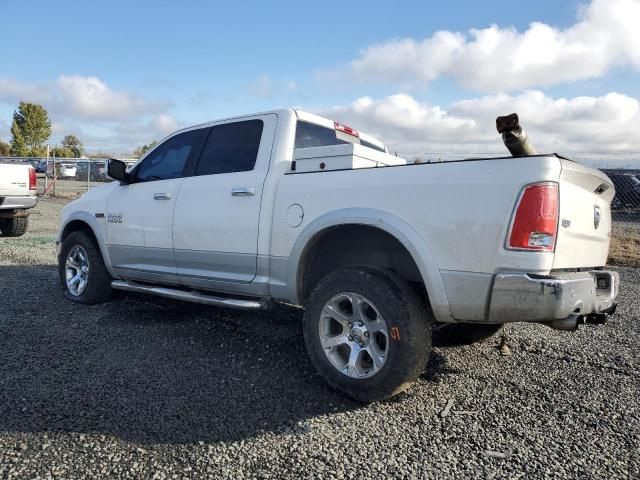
427	78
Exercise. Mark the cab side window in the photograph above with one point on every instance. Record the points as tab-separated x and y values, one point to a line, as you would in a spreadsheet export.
169	159
231	147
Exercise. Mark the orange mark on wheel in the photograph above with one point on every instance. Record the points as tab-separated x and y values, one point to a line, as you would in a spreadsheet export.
395	333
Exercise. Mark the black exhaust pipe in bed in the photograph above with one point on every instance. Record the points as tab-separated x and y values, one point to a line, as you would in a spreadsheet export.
514	136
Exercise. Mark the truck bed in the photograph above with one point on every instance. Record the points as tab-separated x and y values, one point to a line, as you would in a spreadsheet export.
461	212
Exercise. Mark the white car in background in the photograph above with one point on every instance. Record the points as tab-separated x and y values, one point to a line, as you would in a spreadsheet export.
67	170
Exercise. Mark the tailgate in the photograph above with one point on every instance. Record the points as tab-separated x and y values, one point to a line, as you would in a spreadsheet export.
14	180
584	226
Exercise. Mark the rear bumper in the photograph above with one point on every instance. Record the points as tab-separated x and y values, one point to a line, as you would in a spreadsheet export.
10	203
519	297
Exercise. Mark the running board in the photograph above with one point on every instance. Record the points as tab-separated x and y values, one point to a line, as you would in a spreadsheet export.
188	296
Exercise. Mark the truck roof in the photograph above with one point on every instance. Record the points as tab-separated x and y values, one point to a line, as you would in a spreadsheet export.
300	115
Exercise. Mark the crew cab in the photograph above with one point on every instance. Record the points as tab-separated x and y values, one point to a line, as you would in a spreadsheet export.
286	206
18	185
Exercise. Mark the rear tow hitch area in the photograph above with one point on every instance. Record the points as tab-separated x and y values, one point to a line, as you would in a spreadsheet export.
571	323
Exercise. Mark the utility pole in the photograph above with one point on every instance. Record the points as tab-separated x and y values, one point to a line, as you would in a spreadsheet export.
46	171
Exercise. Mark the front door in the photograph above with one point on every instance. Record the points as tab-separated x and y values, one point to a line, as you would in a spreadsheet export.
217	214
140	214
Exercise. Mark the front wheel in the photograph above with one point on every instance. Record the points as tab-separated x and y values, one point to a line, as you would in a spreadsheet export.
83	276
367	332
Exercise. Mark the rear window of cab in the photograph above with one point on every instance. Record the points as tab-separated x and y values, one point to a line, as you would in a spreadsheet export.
312	135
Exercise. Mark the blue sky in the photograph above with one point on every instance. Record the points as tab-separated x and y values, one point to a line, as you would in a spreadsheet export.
168	64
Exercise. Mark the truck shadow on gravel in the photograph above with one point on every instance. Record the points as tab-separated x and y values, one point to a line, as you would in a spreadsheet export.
150	370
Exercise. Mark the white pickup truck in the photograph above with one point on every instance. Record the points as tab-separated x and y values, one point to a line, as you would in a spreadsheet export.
291	207
17	195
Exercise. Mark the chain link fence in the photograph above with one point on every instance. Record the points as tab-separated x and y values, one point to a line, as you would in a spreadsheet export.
626	203
625	213
67	177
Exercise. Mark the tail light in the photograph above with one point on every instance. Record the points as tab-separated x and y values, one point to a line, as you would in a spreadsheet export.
33	182
535	223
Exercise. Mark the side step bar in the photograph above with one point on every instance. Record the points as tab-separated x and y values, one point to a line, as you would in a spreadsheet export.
188	296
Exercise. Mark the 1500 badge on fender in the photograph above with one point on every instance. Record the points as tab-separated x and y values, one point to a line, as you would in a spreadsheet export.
114	218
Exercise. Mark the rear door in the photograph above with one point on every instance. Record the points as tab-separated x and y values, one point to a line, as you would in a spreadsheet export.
217	214
584	226
140	214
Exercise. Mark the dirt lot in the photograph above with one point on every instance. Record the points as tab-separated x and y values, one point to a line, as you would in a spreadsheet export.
148	388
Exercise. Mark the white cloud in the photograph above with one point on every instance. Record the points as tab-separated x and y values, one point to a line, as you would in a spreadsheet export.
90	97
607	123
164	123
80	105
81	98
12	91
497	58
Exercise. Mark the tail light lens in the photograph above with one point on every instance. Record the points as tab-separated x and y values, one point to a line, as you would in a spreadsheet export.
535	223
33	182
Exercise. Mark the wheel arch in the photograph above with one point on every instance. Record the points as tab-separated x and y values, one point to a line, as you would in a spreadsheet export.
83	221
391	227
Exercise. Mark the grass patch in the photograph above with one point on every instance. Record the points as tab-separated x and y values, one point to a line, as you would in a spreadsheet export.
625	248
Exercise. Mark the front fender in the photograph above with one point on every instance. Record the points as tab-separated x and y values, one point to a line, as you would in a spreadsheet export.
398	228
98	230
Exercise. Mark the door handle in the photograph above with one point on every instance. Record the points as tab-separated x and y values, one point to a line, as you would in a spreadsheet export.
243	192
161	196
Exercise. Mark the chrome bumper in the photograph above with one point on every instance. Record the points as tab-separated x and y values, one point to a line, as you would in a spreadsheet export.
520	297
11	203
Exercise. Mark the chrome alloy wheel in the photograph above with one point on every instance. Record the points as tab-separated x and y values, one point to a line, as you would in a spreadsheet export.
353	335
77	270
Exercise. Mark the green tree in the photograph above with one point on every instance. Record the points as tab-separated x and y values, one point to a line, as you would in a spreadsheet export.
30	129
5	148
138	152
62	152
18	146
74	144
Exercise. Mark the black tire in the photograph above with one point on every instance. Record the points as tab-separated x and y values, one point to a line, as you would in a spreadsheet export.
14	227
408	322
98	289
459	334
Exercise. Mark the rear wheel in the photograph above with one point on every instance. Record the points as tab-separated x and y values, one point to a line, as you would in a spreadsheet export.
14	227
83	275
368	334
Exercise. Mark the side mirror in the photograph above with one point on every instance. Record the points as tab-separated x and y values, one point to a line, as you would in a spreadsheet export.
117	170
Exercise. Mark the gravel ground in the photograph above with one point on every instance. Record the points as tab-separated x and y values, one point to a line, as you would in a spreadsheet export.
149	388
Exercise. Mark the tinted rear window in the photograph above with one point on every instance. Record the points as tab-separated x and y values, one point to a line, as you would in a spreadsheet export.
312	135
232	147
